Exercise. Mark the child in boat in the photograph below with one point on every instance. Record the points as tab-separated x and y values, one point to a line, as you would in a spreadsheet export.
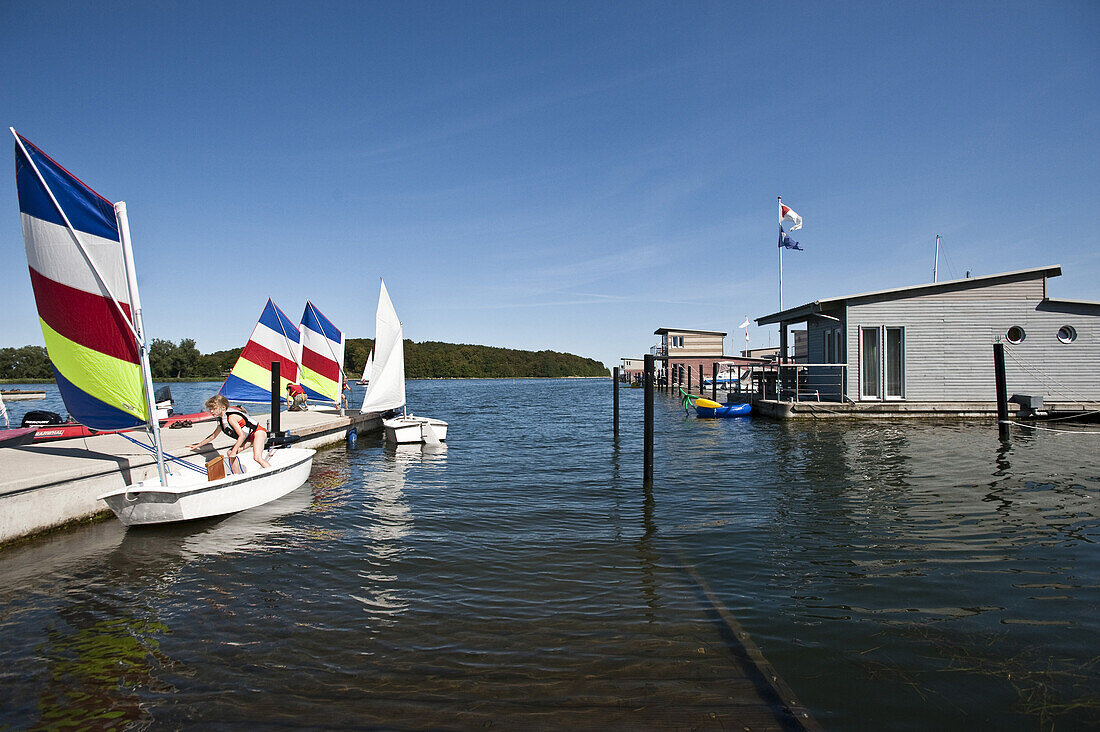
235	423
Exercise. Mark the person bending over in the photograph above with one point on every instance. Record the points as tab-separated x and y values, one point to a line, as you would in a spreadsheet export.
235	423
296	398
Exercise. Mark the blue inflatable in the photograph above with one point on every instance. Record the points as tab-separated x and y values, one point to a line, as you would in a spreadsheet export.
718	410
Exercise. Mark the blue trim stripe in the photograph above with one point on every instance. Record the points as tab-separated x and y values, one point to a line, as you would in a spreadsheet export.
87	210
93	413
315	320
273	318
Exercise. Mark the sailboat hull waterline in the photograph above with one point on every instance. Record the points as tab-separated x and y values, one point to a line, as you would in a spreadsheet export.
149	502
410	430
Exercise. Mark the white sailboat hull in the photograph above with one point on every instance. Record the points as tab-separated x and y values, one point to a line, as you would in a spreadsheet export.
187	498
408	430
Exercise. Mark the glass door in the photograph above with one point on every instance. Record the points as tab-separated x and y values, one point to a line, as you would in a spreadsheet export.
870	364
895	363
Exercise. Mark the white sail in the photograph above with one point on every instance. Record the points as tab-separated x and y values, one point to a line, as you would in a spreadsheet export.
368	367
387	382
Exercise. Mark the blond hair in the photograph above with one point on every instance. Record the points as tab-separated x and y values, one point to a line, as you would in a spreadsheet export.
216	401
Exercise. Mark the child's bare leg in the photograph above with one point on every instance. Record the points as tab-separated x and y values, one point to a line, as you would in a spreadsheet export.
258	453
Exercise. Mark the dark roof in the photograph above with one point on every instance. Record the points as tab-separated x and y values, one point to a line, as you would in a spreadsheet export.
803	312
663	331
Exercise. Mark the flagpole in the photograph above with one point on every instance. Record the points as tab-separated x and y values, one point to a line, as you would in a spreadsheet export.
781	256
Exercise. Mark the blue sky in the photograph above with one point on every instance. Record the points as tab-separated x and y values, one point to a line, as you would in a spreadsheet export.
567	176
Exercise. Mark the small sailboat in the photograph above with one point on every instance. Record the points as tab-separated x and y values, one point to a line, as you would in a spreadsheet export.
368	369
322	363
275	338
85	286
386	393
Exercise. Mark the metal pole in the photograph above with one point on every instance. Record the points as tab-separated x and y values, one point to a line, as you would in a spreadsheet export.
1002	389
615	402
276	378
142	343
936	266
647	468
781	256
714	383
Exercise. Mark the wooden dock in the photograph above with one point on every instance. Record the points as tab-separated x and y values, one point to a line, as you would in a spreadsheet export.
928	410
51	484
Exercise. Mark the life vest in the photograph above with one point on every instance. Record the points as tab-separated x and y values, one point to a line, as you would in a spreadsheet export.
250	424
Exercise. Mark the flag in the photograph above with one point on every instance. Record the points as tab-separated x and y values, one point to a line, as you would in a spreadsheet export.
786	241
789	215
745	324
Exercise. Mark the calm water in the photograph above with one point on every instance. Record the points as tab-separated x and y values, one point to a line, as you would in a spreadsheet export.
898	576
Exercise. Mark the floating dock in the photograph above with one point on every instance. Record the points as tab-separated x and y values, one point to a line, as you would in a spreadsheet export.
54	483
927	410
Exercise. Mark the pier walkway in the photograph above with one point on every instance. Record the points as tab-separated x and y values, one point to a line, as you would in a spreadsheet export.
50	484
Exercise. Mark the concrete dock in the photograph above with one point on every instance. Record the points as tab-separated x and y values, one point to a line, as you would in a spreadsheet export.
54	483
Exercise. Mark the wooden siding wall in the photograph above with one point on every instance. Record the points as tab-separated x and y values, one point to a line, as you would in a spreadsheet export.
695	344
948	344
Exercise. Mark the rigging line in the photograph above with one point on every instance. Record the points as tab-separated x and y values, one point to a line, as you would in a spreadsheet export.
1048	429
1028	366
329	343
179	460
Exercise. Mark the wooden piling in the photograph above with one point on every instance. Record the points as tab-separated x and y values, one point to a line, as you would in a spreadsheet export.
714	382
615	402
647	465
1002	389
276	379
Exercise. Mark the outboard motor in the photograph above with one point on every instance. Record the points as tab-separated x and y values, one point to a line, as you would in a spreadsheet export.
41	418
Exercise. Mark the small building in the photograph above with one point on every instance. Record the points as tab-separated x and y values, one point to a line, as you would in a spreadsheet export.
933	342
633	369
800	355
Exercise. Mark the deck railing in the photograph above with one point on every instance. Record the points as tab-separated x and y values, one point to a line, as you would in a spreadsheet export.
798	382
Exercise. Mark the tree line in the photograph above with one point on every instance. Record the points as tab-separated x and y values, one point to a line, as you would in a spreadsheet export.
428	360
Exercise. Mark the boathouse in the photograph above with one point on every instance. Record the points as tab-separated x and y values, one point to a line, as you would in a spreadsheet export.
933	343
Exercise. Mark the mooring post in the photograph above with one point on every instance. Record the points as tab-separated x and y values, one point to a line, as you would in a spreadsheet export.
1002	389
276	378
615	402
647	466
714	383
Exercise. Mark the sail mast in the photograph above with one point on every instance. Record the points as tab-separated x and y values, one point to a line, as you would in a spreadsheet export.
142	342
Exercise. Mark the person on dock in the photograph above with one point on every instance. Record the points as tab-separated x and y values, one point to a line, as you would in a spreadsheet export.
344	393
235	423
296	398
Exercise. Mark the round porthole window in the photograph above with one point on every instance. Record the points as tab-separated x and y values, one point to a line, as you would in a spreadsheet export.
1067	334
1015	334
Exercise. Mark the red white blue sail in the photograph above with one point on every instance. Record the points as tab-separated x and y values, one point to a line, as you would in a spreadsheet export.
275	338
80	287
322	374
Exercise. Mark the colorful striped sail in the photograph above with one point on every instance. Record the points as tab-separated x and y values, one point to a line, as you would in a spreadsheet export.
322	374
80	287
275	338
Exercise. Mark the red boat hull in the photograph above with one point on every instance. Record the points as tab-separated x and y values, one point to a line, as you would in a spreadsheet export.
71	430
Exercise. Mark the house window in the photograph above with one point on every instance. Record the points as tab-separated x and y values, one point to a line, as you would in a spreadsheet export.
1015	335
838	349
1067	334
828	349
870	363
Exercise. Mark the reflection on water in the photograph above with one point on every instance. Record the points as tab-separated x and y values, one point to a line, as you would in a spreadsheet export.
907	575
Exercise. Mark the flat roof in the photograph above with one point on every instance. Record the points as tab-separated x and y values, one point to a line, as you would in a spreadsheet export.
805	311
663	331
